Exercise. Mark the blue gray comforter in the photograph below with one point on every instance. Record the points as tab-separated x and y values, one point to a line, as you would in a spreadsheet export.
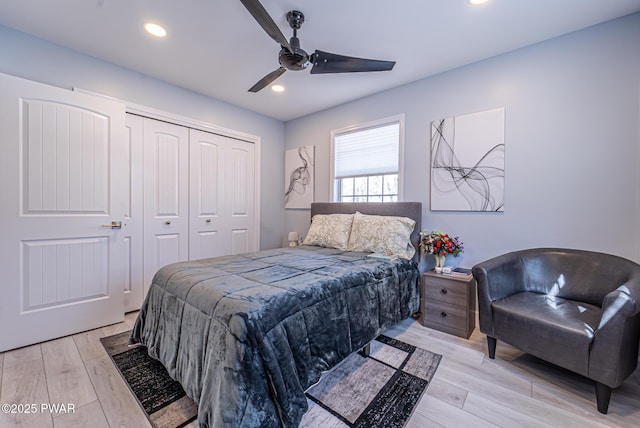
246	335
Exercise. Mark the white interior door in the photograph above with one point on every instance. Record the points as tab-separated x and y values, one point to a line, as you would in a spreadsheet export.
62	175
222	195
166	196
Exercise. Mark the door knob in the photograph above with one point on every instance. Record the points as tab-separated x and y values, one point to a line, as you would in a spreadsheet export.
114	225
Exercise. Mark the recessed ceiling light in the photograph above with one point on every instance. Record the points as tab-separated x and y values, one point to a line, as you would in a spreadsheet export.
277	88
155	29
477	2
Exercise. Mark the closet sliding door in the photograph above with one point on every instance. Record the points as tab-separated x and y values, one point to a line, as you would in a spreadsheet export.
166	196
222	195
197	196
240	196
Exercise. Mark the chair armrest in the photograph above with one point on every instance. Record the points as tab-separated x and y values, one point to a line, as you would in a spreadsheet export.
500	276
618	304
632	288
497	278
614	350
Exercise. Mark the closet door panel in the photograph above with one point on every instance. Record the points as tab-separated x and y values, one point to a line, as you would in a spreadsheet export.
239	201
222	186
167	175
134	264
205	245
209	183
240	241
166	195
207	157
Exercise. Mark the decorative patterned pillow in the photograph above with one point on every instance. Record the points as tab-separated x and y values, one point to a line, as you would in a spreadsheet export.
382	234
330	230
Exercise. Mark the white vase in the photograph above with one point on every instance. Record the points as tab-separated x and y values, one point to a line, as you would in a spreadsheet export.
440	260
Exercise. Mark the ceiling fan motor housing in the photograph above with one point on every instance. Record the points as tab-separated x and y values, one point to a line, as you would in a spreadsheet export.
298	59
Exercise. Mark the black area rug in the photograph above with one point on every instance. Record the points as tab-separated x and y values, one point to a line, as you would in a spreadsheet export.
162	398
381	390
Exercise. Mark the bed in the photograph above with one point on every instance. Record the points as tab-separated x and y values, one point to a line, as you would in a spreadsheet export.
246	335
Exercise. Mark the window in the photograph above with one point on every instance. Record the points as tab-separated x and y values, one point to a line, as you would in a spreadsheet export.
366	162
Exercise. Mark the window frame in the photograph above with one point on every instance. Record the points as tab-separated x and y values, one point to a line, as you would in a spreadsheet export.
391	120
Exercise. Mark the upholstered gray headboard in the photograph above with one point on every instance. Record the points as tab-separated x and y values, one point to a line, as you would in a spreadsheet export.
413	210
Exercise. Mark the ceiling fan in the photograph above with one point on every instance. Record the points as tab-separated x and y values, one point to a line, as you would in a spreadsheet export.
292	57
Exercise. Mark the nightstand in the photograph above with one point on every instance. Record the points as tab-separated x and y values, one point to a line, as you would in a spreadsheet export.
447	303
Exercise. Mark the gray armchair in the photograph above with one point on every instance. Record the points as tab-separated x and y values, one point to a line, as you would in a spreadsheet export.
577	309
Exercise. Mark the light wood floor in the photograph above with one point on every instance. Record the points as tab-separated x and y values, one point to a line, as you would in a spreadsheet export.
468	389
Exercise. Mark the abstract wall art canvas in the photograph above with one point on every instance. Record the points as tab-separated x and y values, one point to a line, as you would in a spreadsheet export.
298	180
467	162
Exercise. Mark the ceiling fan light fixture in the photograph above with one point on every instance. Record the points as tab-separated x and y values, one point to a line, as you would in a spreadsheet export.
477	2
277	88
155	29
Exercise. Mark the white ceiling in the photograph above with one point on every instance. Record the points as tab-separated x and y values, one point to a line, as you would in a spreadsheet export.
216	48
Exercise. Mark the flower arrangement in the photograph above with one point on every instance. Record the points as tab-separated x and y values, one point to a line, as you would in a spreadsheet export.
440	243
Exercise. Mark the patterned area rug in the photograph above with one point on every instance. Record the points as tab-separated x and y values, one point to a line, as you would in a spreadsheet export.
377	391
162	398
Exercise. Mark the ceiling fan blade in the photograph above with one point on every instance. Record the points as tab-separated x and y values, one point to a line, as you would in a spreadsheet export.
268	25
325	62
266	80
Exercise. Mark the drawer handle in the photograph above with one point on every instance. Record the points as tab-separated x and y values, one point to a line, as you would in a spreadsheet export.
443	314
443	291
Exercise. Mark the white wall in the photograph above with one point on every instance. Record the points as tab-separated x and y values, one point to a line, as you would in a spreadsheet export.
32	58
571	134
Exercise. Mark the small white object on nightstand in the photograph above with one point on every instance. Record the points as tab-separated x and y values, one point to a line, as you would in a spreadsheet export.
293	239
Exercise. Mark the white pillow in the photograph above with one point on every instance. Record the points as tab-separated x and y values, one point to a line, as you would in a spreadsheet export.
382	234
329	230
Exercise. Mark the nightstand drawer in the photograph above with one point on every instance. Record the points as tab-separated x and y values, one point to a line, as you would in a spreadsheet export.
446	290
438	314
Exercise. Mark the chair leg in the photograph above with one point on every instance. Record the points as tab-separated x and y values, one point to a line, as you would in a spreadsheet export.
603	396
491	344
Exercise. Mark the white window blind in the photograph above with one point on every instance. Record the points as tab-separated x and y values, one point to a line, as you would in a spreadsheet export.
373	151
